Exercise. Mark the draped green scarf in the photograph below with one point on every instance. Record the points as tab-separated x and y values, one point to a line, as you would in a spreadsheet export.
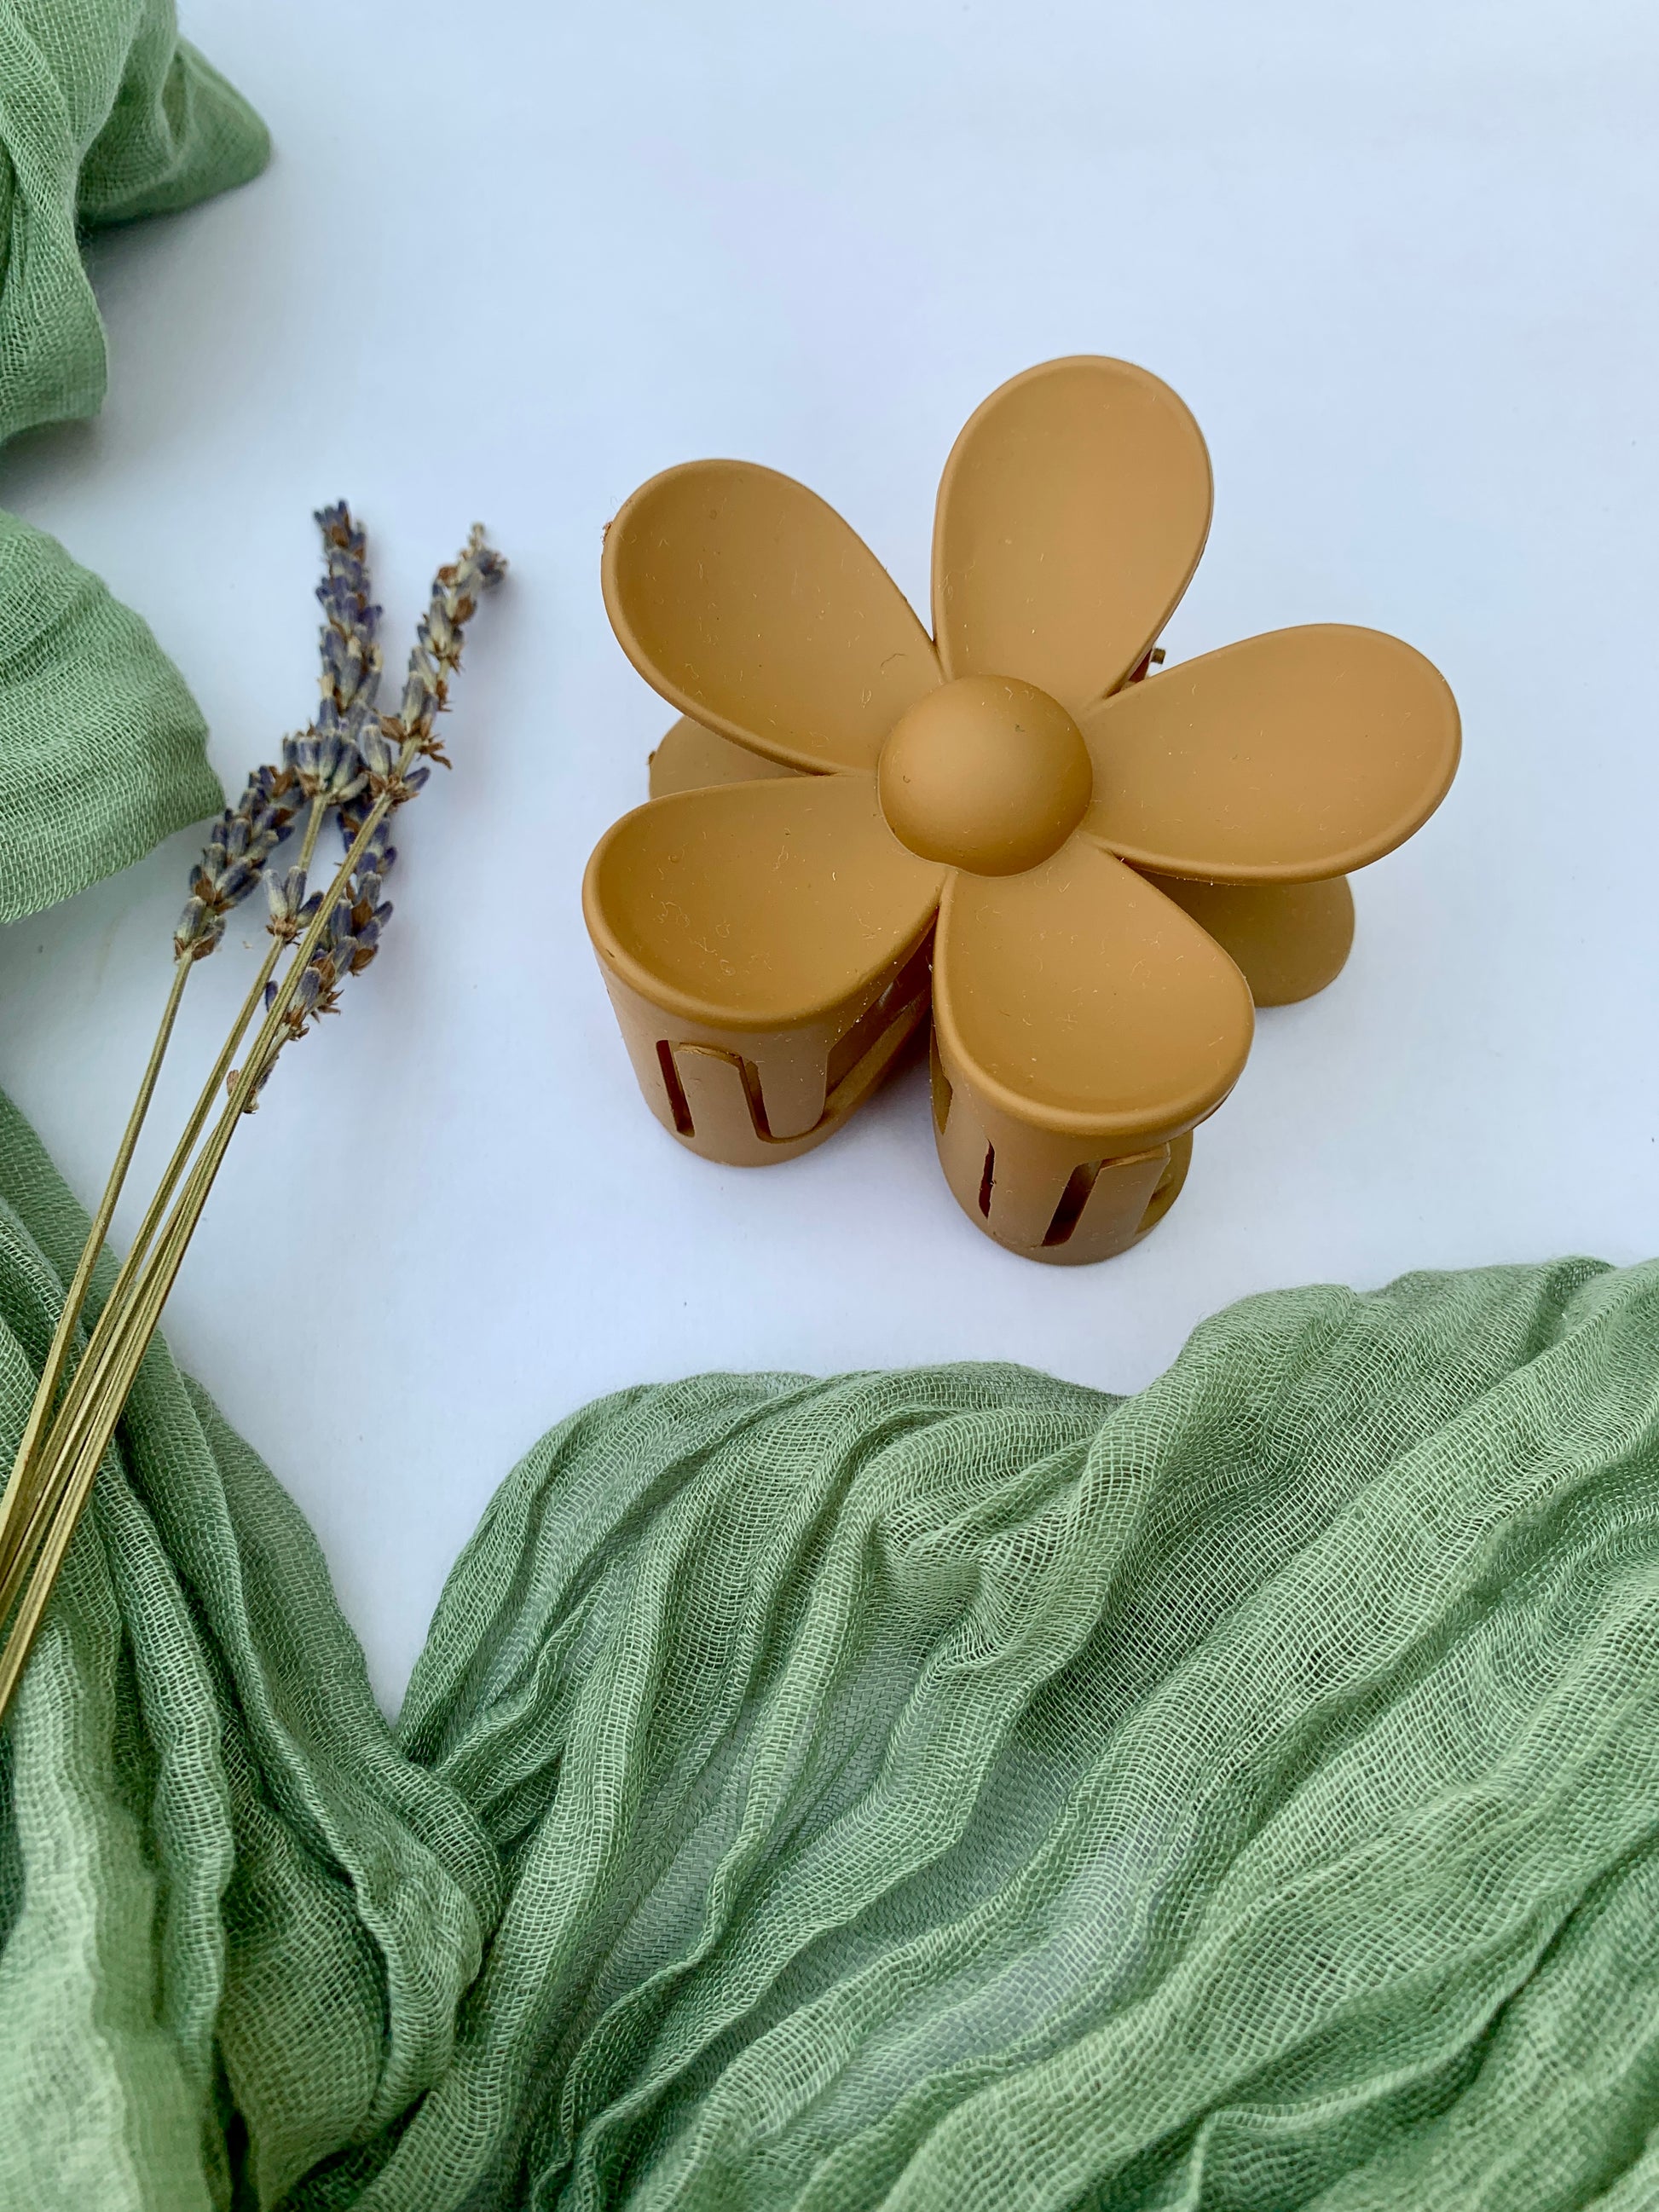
105	115
923	1792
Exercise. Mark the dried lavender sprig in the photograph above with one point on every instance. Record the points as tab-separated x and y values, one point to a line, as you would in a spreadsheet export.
243	839
350	642
19	1496
339	954
325	757
383	746
290	908
389	749
321	764
87	1418
92	1400
350	939
369	910
437	654
242	842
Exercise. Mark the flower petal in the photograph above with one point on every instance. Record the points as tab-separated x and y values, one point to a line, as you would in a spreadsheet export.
1079	1002
750	605
1071	516
758	905
1286	758
691	758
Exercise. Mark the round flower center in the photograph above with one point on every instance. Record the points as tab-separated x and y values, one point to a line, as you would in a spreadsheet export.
985	773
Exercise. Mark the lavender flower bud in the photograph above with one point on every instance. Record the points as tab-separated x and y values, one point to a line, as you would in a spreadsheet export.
352	760
199	930
286	895
380	752
238	845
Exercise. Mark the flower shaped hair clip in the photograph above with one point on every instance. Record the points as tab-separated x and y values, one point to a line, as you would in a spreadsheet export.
1087	871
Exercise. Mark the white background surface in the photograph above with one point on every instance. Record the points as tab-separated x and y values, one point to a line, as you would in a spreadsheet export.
511	261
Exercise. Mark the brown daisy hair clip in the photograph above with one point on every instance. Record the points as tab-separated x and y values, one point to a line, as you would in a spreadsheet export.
1085	871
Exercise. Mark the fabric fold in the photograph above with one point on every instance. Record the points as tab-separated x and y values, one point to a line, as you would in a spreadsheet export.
102	748
105	116
893	1790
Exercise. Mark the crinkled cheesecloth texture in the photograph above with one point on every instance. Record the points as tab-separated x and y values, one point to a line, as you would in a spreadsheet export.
105	115
921	1790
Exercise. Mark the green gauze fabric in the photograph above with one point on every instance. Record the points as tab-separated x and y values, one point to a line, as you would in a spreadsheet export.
102	749
932	1790
104	115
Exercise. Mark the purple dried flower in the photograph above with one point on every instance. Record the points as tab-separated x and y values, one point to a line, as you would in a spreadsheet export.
321	765
456	590
243	840
351	645
326	760
290	908
325	756
351	760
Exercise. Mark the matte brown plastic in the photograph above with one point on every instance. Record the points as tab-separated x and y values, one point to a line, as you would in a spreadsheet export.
1072	513
758	905
1288	939
1087	871
985	773
1284	759
751	606
690	758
